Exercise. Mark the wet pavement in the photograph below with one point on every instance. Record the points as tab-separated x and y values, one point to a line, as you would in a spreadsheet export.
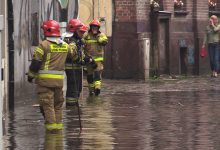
162	114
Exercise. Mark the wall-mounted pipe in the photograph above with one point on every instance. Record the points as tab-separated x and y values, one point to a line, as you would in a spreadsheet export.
11	54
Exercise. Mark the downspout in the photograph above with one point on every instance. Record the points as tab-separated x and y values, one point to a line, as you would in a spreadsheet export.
112	41
196	39
11	54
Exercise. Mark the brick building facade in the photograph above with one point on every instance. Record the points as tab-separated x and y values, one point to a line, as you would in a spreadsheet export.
175	34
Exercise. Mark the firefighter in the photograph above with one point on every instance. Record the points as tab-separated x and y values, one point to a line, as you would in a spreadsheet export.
73	69
47	68
95	42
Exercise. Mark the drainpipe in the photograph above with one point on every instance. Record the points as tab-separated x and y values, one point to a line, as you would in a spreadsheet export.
196	39
112	69
1	94
11	54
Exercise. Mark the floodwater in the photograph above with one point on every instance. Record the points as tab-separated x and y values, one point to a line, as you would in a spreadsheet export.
182	114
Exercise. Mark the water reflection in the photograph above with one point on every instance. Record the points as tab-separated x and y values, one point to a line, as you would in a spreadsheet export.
54	141
185	120
11	131
97	123
72	128
130	117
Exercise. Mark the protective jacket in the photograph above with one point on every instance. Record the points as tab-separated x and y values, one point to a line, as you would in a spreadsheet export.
77	63
73	69
94	45
51	57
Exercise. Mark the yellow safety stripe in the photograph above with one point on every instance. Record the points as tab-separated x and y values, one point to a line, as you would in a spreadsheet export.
63	48
59	126
91	41
72	66
71	99
50	72
99	59
98	82
51	126
39	50
46	66
51	76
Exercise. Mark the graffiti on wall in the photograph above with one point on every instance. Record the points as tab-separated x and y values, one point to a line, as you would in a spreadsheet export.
32	13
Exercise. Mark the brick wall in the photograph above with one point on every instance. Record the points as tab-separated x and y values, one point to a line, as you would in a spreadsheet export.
132	10
125	10
133	20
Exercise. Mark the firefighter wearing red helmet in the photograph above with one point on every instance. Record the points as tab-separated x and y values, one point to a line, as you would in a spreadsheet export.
95	42
47	68
73	68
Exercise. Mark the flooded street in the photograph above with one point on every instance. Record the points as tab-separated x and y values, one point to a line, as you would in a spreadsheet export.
162	114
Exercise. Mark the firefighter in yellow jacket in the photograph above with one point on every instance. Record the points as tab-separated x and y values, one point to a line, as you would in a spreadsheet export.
95	42
47	68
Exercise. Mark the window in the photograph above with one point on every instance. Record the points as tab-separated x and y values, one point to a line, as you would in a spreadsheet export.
156	5
179	5
212	5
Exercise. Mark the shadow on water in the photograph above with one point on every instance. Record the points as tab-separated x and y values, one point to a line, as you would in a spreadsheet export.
128	118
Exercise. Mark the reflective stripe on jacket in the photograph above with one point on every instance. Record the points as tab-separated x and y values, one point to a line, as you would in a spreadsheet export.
93	45
53	58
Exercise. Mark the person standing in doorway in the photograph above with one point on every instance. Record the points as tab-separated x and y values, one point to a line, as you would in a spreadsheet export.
47	68
95	42
211	39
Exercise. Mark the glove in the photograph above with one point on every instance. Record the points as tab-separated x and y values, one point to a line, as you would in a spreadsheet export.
30	79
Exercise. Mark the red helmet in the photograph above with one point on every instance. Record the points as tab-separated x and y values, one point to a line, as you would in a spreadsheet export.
73	25
95	23
83	28
51	28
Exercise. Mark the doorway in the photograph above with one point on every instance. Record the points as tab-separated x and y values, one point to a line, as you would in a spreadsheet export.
163	44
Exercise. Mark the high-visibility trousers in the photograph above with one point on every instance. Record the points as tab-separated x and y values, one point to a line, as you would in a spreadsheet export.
51	100
94	76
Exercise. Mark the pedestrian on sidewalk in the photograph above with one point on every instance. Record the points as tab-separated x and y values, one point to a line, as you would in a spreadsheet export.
47	68
211	39
73	69
95	42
